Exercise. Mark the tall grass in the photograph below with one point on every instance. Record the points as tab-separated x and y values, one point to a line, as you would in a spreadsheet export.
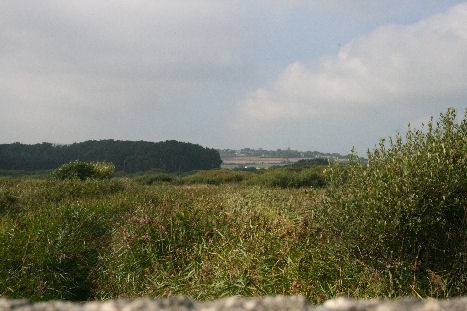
394	227
290	177
205	242
217	177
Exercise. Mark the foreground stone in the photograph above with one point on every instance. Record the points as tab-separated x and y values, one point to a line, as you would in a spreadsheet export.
239	303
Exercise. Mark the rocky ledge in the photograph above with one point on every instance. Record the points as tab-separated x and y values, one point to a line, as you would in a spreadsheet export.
239	303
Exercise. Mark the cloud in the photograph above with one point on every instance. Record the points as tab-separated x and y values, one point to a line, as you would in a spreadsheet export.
396	67
176	69
135	64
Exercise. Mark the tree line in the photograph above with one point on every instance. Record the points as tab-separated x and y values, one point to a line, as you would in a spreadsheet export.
127	156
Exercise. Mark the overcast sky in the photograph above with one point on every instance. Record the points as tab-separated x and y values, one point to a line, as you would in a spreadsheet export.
310	75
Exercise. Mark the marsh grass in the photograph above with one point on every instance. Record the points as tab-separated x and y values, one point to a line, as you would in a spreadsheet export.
280	177
217	177
205	242
95	242
393	228
290	177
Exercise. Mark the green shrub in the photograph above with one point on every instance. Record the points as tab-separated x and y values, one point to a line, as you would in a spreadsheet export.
290	178
216	177
405	212
103	170
84	170
151	179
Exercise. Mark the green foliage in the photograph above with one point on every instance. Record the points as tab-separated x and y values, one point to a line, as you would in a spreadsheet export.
155	178
99	239
51	235
8	201
62	190
50	254
405	212
394	227
216	177
277	177
127	156
290	177
103	170
84	170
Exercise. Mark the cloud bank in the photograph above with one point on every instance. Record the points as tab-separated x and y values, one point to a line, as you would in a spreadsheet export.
407	67
74	70
233	74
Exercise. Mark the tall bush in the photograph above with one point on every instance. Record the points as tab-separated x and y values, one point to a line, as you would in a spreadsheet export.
84	170
406	210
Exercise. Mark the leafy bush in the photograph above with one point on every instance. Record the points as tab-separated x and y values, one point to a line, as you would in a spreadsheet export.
405	212
84	170
103	170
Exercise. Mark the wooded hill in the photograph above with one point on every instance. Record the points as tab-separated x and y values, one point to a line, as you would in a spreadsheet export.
127	156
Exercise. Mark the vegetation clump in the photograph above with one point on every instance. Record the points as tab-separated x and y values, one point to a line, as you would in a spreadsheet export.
217	177
290	177
405	212
155	178
8	201
84	170
390	228
278	177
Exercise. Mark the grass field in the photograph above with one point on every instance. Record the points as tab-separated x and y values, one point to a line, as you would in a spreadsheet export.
392	228
117	238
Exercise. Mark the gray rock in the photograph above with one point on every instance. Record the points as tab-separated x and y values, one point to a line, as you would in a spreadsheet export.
239	303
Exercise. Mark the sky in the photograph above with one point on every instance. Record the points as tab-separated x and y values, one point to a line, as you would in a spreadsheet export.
320	75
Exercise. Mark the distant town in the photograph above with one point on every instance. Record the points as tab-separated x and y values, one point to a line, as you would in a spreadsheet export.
261	158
